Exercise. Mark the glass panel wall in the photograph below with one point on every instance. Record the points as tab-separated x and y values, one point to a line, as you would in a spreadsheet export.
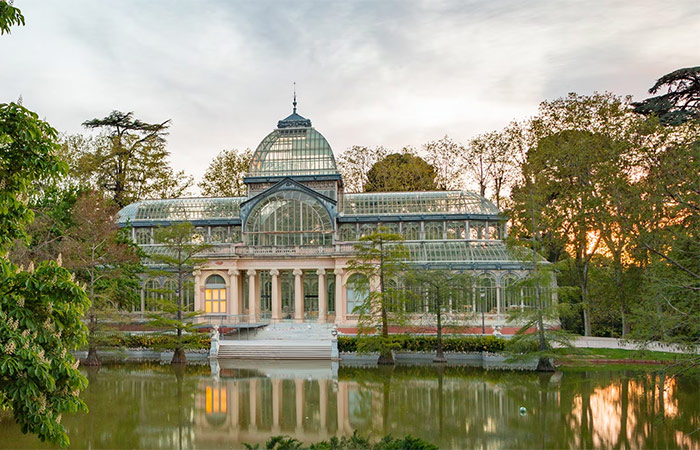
289	218
295	151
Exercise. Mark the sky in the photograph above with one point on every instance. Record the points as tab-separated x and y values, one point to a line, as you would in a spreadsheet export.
381	72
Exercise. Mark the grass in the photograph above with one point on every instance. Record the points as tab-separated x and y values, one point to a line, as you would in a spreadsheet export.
584	356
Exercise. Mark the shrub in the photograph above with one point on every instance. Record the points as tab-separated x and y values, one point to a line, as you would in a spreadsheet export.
196	341
453	344
354	442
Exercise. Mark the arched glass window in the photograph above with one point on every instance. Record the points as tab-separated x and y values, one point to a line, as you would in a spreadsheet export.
511	292
357	291
215	295
486	294
152	295
348	232
367	229
433	230
411	231
289	218
219	234
143	236
476	230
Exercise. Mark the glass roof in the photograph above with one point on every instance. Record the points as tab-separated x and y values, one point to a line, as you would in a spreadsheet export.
433	202
293	151
459	252
182	209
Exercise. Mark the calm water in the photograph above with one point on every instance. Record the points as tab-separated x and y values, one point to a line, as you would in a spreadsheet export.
150	406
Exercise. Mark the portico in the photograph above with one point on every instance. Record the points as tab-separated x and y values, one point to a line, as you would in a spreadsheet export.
273	291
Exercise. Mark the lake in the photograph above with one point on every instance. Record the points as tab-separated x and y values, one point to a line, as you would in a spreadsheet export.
152	406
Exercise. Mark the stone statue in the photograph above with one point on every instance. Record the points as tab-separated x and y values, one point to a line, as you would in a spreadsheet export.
214	350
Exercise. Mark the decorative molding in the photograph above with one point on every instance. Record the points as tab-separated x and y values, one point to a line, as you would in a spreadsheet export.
251	272
274	272
321	272
298	272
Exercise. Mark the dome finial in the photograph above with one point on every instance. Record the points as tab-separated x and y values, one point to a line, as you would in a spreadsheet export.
294	103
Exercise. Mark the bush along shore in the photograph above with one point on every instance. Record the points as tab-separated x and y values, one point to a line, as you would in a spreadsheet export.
354	442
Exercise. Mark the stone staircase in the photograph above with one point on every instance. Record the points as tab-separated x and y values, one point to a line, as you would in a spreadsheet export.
285	341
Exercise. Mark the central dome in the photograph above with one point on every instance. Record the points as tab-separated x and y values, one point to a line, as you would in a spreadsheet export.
293	149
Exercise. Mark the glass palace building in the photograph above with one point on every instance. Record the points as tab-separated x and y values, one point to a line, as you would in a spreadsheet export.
282	252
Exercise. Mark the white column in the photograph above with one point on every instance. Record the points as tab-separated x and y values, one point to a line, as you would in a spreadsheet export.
499	288
252	297
276	291
340	305
234	299
298	296
322	296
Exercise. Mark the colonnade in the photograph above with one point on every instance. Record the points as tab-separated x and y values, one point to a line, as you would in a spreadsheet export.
235	292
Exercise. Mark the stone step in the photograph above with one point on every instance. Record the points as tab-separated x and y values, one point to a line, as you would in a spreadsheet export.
273	349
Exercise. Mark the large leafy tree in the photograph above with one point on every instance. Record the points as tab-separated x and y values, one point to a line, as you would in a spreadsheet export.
681	101
224	176
379	258
102	257
400	172
355	163
130	160
181	245
448	160
41	308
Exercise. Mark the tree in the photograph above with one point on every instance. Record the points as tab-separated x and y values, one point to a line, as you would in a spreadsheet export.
130	162
95	250
224	177
41	307
180	258
440	286
401	172
680	103
355	163
478	164
447	159
379	257
9	16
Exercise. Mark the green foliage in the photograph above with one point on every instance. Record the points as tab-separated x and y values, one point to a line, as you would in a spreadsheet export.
129	160
183	246
354	442
9	16
224	176
400	172
680	103
408	343
379	257
40	308
355	162
193	341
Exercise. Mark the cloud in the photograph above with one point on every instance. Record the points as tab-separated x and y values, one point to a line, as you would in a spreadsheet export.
389	73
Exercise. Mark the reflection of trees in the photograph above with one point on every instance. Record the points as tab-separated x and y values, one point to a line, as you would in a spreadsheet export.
453	407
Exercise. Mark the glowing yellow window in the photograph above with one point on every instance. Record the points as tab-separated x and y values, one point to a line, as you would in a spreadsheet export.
215	295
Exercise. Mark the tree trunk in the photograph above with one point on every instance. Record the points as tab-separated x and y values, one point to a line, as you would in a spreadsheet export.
586	306
179	356
92	359
544	364
439	356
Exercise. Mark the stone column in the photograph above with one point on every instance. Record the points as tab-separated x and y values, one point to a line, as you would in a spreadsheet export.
298	296
340	304
276	296
322	296
235	402
234	297
499	289
252	297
